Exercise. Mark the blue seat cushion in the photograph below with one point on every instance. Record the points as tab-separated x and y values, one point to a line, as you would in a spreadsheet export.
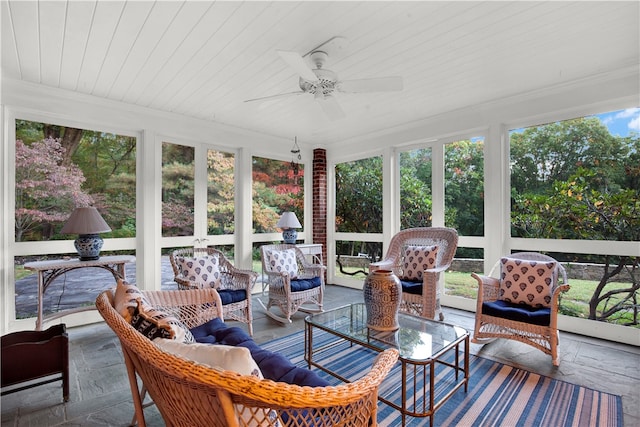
273	366
299	285
229	296
410	287
518	312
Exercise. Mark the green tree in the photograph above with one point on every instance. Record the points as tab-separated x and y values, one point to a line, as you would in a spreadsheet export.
415	188
177	195
464	187
220	192
109	164
359	196
359	203
544	154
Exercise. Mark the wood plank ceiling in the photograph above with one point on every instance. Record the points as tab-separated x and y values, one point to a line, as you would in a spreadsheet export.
204	59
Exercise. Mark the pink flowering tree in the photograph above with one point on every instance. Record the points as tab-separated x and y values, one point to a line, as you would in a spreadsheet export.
47	190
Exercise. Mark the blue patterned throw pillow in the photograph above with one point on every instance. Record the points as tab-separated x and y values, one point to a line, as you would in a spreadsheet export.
202	270
284	262
526	282
417	259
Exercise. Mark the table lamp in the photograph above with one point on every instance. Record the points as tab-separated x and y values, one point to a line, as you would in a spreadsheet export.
288	222
87	223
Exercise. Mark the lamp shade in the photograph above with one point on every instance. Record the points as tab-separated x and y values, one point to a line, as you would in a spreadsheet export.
85	221
288	220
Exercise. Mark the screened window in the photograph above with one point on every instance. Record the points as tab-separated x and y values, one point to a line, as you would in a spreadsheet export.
220	192
464	186
578	179
60	168
359	196
57	169
415	188
178	177
574	180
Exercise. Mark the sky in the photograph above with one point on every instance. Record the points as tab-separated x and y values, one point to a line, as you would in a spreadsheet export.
622	122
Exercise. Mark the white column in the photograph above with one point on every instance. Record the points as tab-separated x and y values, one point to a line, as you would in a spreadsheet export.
243	210
497	201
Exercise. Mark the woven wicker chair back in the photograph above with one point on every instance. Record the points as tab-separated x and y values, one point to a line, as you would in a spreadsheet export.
445	238
231	279
560	272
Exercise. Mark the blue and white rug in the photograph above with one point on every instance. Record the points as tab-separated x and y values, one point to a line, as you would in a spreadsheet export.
498	395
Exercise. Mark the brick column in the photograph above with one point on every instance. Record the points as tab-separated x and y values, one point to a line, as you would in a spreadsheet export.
320	199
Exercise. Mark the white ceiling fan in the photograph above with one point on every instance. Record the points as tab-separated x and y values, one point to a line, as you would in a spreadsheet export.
324	84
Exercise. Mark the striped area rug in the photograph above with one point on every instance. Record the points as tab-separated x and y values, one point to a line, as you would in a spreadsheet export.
499	395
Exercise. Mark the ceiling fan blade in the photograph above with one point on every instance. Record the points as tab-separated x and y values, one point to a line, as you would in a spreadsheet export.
380	84
295	61
280	95
331	108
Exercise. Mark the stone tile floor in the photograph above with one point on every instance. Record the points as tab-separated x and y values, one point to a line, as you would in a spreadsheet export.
100	394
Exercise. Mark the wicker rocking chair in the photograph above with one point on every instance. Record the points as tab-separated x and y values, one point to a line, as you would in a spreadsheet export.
290	290
500	318
192	394
420	296
233	284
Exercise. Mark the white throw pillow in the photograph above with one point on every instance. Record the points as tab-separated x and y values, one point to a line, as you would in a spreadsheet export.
284	262
202	270
526	282
225	357
417	259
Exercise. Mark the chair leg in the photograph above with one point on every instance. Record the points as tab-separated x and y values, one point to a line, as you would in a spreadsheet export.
555	340
249	321
136	394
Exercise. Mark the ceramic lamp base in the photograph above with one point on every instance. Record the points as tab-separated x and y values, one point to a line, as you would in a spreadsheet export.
88	246
290	236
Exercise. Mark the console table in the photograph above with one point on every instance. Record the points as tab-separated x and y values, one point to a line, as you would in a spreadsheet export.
48	271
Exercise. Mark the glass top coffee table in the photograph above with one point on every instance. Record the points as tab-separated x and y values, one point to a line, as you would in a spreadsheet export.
430	353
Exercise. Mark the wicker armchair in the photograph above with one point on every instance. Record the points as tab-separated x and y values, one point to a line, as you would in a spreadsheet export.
191	394
234	285
421	298
290	293
536	327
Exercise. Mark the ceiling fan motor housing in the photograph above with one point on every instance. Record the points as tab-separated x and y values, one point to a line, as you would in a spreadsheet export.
326	83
